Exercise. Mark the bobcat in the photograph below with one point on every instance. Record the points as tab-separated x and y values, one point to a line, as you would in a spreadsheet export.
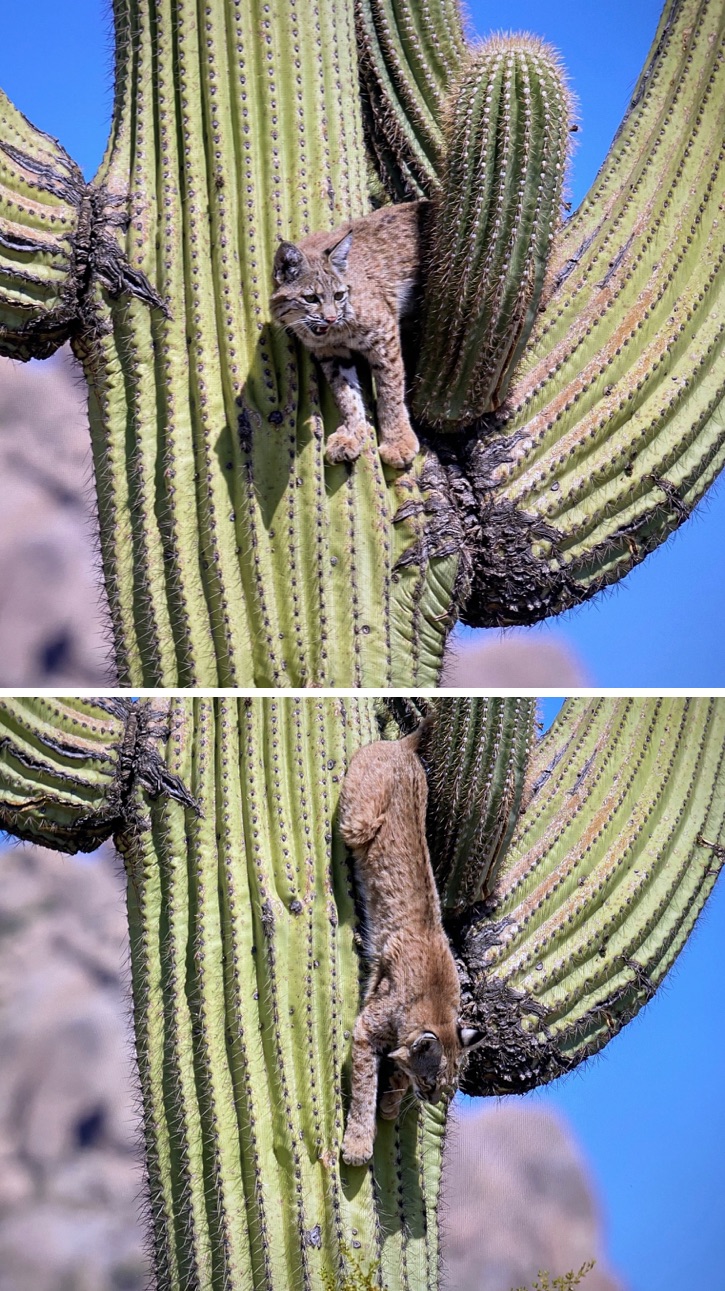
344	293
412	997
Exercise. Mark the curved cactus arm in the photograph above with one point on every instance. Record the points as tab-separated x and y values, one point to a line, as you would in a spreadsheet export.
44	238
615	418
606	874
55	234
63	770
69	768
477	758
495	216
410	56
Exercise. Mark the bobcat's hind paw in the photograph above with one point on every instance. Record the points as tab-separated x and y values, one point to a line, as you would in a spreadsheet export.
357	1149
345	445
399	450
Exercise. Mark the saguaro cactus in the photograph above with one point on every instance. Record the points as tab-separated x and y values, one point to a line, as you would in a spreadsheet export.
232	554
245	971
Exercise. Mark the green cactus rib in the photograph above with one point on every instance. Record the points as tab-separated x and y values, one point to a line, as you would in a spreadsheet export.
615	426
410	55
62	773
607	871
476	756
245	981
495	219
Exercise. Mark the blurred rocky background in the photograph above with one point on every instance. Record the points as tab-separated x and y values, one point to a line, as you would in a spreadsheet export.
498	659
517	1194
518	1198
52	613
71	1181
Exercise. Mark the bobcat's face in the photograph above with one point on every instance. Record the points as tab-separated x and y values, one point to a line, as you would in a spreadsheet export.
311	298
432	1060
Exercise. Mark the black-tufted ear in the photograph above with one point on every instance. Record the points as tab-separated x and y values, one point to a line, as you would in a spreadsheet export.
289	263
338	254
469	1037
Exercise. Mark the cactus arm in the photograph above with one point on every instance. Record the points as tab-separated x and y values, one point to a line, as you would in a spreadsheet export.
607	871
477	758
615	417
494	221
44	226
410	55
68	767
62	771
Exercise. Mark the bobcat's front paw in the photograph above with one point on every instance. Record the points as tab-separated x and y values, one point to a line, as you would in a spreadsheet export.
357	1147
399	448
345	444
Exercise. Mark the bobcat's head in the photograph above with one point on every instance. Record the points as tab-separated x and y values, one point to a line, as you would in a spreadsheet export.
311	294
432	1061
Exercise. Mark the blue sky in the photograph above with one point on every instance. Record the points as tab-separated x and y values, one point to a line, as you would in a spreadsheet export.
650	1109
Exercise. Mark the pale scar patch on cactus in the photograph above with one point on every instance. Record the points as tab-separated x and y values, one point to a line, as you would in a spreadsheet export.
410	1011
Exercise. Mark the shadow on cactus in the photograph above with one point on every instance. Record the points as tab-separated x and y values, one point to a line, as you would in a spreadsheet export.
576	364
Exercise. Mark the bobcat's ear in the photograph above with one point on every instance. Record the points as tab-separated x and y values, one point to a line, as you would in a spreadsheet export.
338	254
289	263
470	1037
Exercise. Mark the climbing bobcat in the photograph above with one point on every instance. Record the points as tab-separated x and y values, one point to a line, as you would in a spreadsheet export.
344	293
412	998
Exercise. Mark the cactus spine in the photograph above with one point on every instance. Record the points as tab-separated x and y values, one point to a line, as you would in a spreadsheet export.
232	554
246	977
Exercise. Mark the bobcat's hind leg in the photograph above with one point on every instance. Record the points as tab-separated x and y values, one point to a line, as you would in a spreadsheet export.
345	444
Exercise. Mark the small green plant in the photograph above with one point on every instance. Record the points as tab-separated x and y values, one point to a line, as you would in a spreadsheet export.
565	1282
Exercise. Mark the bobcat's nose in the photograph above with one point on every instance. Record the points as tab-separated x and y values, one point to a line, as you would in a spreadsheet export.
330	315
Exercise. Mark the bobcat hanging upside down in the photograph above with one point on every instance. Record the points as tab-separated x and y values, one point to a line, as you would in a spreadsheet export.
413	995
344	293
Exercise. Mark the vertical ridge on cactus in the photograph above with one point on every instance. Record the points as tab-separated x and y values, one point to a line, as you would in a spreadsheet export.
410	57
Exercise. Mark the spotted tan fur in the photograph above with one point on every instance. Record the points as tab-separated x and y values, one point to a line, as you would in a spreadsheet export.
343	294
412	997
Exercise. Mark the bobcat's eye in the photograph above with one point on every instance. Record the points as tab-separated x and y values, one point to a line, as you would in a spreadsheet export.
339	295
311	299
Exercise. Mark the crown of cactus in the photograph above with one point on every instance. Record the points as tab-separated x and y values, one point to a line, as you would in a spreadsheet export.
232	553
245	971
